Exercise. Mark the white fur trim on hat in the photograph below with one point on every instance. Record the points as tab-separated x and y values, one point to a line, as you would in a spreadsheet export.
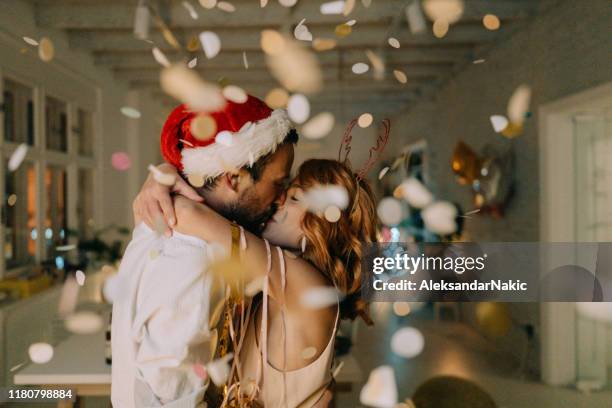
246	146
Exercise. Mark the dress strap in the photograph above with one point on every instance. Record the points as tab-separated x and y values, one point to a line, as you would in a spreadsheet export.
263	335
281	260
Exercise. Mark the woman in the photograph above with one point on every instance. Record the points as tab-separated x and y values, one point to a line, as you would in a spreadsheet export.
320	254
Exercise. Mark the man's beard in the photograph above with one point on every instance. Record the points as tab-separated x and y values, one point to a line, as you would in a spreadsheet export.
246	217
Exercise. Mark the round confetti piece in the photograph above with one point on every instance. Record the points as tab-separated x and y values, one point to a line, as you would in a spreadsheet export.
365	120
400	76
343	30
309	352
121	161
226	6
360	68
235	94
319	126
83	322
203	127
196	180
317	198
80	277
407	342
287	3
12	199
351	22
394	42
499	122
298	108
440	28
323	44
491	22
415	193
332	7
193	44
439	218
401	308
130	112
390	211
17	157
449	10
272	42
211	43
349	5
277	98
208	4
46	49
332	213
40	353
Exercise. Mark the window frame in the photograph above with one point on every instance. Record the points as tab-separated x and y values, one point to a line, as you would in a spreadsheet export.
41	157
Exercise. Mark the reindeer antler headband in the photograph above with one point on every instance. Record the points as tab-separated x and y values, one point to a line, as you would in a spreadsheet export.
373	154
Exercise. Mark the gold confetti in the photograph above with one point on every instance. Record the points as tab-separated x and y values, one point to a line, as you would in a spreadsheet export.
323	44
193	44
343	30
400	76
196	180
203	127
491	22
277	98
12	199
46	49
401	308
448	10
170	38
272	42
365	120
440	28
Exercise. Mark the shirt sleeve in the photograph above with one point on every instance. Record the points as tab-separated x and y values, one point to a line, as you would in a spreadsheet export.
170	328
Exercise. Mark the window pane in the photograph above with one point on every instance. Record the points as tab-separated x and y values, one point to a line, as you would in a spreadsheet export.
20	223
55	223
56	125
83	133
85	203
18	113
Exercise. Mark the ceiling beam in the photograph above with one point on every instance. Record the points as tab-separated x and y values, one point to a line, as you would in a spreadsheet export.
94	14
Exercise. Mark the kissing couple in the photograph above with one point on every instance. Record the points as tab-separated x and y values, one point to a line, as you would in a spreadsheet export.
235	280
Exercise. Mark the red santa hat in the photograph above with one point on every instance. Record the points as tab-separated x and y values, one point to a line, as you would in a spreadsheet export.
245	132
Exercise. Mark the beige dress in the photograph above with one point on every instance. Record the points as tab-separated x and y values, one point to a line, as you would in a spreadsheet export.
302	387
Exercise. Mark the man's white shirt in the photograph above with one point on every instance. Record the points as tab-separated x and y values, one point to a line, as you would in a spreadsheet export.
160	321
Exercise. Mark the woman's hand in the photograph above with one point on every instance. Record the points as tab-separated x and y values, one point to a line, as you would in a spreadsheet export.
153	204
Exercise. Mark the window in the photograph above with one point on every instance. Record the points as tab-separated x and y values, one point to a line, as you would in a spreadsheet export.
52	191
20	215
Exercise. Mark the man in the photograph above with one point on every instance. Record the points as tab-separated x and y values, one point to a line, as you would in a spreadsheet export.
160	326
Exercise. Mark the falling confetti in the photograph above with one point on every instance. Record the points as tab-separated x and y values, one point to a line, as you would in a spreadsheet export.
439	218
130	112
360	68
192	64
219	370
491	22
65	248
415	17
323	44
292	64
17	367
235	94
400	76
12	200
17	157
415	193
272	42
142	21
186	86
287	3
298	108
383	172
163	178
121	161
203	127
46	49
84	322
332	213
332	7
447	10
499	122
440	28
393	42
349	5
190	9
319	126
226	6
30	41
80	277
160	57
211	44
40	353
365	120
407	342
351	22
320	297
193	45
478	61
377	63
208	4
245	61
390	211
316	199
343	30
401	308
518	105
277	98
68	297
196	180
309	352
224	138
301	32
381	389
